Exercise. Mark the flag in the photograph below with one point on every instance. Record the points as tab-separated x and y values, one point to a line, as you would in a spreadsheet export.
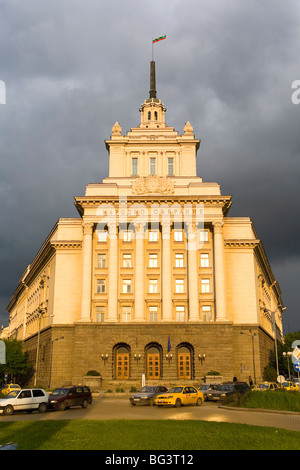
169	344
160	38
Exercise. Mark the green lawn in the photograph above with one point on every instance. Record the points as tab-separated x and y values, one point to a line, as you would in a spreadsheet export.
144	435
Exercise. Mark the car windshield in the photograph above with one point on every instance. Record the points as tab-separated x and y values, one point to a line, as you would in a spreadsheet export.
12	394
60	392
176	390
204	387
263	386
227	388
286	384
148	389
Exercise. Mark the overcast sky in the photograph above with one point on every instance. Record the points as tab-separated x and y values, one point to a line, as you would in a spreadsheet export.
73	68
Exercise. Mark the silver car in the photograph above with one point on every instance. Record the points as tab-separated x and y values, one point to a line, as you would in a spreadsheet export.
146	395
26	399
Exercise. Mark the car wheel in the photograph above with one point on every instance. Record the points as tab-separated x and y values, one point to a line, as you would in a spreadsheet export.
42	407
199	402
62	406
84	404
8	410
178	403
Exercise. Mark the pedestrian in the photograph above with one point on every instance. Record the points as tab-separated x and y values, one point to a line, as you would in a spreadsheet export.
250	381
234	379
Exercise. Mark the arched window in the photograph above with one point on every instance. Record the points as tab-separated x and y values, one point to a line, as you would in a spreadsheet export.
122	362
155	115
153	362
149	115
184	356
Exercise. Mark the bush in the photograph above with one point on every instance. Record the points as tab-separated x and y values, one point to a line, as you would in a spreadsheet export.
133	389
213	372
93	373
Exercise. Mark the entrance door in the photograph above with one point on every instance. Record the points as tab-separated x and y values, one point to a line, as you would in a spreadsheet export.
184	364
153	363
122	363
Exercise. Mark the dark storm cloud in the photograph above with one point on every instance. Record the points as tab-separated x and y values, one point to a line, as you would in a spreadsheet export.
73	68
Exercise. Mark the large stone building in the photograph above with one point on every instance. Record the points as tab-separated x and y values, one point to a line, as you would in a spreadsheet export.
153	277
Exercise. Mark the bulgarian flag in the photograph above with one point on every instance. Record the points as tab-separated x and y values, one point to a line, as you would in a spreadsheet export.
160	38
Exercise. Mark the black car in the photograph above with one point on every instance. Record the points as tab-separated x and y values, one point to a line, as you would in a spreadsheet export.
74	395
226	389
146	395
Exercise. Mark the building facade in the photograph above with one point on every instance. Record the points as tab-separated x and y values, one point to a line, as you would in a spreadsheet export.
153	279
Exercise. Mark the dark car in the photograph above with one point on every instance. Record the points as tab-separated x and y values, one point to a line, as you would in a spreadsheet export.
206	388
74	395
146	395
226	389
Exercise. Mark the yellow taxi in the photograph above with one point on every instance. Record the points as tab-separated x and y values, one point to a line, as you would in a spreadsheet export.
287	385
266	386
10	388
177	396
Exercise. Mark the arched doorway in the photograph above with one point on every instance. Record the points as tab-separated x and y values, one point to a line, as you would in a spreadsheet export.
153	362
184	356
122	362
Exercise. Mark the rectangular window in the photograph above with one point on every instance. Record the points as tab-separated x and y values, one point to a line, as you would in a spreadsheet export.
153	286
127	236
102	236
179	260
101	260
203	235
126	260
206	313
153	236
180	313
126	286
178	235
204	260
100	286
134	166
100	311
153	260
126	314
205	286
170	166
152	166
153	314
179	286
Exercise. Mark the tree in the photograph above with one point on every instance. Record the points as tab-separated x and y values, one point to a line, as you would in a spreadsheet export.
17	366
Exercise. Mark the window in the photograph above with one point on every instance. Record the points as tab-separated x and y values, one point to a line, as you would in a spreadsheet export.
149	115
179	286
170	166
203	235
155	115
179	260
205	286
100	286
101	260
152	166
100	311
206	313
126	260
180	313
153	286
102	236
127	236
178	235
126	286
153	260
134	166
153	236
126	314
153	314
204	260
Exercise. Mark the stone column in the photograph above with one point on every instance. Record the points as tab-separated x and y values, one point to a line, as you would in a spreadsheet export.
219	268
166	273
139	277
86	282
192	273
112	314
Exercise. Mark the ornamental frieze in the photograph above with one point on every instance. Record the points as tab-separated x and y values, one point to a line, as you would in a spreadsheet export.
152	184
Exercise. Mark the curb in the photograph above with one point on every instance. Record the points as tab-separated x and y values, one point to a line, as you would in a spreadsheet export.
260	410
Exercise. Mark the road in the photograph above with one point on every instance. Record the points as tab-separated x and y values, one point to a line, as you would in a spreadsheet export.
104	408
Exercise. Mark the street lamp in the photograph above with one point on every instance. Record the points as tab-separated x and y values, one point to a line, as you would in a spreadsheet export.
289	353
275	333
253	355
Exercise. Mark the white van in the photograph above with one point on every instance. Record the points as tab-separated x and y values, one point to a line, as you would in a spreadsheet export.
26	399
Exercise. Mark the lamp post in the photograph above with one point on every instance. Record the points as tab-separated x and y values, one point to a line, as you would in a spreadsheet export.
275	332
287	355
253	355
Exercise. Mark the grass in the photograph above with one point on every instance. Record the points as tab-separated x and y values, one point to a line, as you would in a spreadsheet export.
144	435
280	400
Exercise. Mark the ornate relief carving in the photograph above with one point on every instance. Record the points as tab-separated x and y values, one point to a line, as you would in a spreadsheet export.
152	184
116	129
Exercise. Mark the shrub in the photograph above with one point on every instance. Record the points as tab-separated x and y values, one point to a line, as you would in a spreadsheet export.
93	373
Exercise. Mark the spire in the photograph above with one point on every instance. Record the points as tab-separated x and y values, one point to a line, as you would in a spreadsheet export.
152	93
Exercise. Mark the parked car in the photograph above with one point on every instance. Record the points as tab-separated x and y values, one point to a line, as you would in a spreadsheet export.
226	389
9	388
266	386
177	396
291	386
146	395
205	389
67	396
25	399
